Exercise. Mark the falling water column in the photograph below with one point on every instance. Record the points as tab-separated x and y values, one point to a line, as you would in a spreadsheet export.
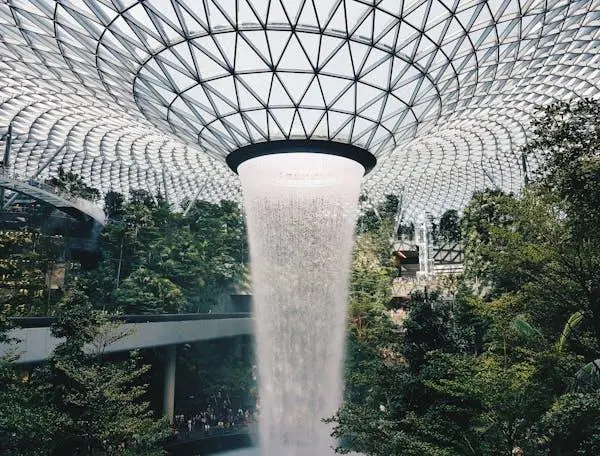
301	210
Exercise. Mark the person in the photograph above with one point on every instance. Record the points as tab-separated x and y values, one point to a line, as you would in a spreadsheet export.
517	451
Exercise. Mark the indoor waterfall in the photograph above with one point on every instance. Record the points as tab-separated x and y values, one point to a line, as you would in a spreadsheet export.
301	211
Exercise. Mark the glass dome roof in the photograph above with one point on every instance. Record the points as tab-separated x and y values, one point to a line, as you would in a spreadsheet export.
147	93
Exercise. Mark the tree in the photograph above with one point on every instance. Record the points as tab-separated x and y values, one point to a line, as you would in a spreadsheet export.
386	212
572	425
514	363
145	292
449	228
73	184
427	329
203	253
27	423
567	136
102	400
113	205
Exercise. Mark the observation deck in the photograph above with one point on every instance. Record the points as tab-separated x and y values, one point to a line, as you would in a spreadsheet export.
63	201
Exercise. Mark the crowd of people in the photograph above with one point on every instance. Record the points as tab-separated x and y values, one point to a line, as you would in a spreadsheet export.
212	420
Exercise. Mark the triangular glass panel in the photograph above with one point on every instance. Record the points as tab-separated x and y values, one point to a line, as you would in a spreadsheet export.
340	63
310	43
337	121
322	129
337	19
417	15
246	99
217	13
256	124
329	45
248	60
360	52
345	133
310	118
207	67
308	15
277	13
278	96
347	101
332	87
226	44
259	6
193	21
313	96
389	38
277	40
292	8
380	75
276	129
365	94
324	9
297	129
197	96
258	41
258	83
293	57
374	110
365	29
296	83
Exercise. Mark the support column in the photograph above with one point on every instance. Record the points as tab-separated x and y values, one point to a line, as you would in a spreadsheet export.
169	386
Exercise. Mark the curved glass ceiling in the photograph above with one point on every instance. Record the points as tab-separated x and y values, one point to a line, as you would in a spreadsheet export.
144	94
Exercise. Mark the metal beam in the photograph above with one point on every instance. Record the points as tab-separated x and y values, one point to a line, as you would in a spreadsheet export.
5	161
12	199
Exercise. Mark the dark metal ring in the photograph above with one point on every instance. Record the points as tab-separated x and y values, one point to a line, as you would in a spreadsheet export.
365	158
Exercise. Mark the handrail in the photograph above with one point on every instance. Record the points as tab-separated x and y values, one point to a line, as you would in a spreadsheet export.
42	322
38	184
84	205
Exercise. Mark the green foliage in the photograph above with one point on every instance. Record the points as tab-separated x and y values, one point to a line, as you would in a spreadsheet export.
449	227
102	401
385	213
27	423
25	258
73	184
146	292
201	254
567	136
113	205
152	260
216	371
570	326
427	329
572	425
513	359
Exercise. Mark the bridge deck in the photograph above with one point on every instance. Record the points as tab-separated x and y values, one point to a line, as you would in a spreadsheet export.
140	331
51	196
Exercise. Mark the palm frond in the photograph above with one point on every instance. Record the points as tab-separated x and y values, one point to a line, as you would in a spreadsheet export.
572	323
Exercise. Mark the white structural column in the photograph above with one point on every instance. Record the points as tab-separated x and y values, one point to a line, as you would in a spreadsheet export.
169	385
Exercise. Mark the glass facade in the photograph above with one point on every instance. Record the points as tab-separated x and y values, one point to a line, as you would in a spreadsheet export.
154	94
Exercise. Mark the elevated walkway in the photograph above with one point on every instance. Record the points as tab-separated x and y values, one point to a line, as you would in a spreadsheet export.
36	343
63	201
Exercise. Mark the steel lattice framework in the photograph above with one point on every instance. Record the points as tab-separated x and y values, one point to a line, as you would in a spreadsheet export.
154	94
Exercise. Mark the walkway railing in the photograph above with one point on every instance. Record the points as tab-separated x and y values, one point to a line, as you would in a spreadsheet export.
53	195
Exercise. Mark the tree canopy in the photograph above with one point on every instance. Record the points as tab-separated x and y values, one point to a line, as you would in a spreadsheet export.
512	360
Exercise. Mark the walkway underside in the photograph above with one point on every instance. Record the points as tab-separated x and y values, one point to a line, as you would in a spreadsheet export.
73	206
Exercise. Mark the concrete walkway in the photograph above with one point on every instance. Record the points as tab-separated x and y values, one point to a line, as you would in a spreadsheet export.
37	344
